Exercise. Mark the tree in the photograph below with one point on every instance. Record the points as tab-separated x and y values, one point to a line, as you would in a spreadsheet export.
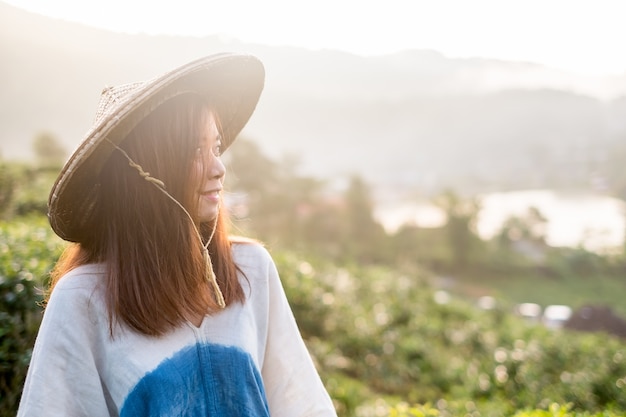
530	227
7	187
49	152
463	240
278	200
366	239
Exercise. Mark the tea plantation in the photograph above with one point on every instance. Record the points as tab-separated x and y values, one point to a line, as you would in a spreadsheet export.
383	344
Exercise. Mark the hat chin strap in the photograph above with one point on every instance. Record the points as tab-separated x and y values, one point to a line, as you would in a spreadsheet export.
219	297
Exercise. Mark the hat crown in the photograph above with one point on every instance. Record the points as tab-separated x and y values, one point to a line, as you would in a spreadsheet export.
113	97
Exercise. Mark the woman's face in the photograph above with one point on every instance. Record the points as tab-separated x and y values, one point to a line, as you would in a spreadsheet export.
209	171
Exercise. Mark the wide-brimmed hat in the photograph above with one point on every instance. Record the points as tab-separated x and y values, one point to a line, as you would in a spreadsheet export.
232	81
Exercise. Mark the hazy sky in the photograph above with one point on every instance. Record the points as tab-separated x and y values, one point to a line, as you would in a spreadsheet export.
584	36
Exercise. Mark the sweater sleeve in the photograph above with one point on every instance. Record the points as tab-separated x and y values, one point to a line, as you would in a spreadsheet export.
63	378
292	384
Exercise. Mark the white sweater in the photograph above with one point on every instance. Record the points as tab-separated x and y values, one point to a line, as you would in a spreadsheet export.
248	360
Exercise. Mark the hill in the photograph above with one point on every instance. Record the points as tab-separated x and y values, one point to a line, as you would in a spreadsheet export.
415	120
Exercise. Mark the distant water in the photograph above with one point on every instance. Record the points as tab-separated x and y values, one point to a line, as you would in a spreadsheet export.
596	222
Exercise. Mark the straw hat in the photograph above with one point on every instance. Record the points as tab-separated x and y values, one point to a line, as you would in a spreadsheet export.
233	81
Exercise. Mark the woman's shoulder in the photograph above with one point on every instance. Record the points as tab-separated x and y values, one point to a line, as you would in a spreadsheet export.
82	278
250	253
246	248
78	294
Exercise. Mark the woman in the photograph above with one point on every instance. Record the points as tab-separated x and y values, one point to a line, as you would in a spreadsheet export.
155	310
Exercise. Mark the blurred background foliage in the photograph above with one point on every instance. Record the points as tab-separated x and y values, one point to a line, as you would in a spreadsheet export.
390	318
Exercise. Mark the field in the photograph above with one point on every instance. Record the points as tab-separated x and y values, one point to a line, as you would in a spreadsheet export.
516	289
384	345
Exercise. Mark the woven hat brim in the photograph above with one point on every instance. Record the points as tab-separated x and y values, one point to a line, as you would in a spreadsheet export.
234	83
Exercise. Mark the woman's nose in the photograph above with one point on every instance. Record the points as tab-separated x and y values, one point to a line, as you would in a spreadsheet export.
216	168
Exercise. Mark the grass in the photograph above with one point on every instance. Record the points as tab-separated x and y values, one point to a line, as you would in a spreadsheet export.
519	288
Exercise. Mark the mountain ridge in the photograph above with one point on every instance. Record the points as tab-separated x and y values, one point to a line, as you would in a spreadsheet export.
440	121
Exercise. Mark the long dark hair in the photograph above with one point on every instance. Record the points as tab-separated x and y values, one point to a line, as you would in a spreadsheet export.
156	276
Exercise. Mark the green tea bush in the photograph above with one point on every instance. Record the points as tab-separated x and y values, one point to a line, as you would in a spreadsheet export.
382	339
468	409
28	249
554	410
387	331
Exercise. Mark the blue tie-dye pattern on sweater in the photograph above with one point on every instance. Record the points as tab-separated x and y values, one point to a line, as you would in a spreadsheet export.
200	380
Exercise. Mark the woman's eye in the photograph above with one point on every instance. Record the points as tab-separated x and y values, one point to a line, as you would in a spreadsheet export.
202	152
207	149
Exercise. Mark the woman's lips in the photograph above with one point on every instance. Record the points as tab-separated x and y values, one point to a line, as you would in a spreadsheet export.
212	195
